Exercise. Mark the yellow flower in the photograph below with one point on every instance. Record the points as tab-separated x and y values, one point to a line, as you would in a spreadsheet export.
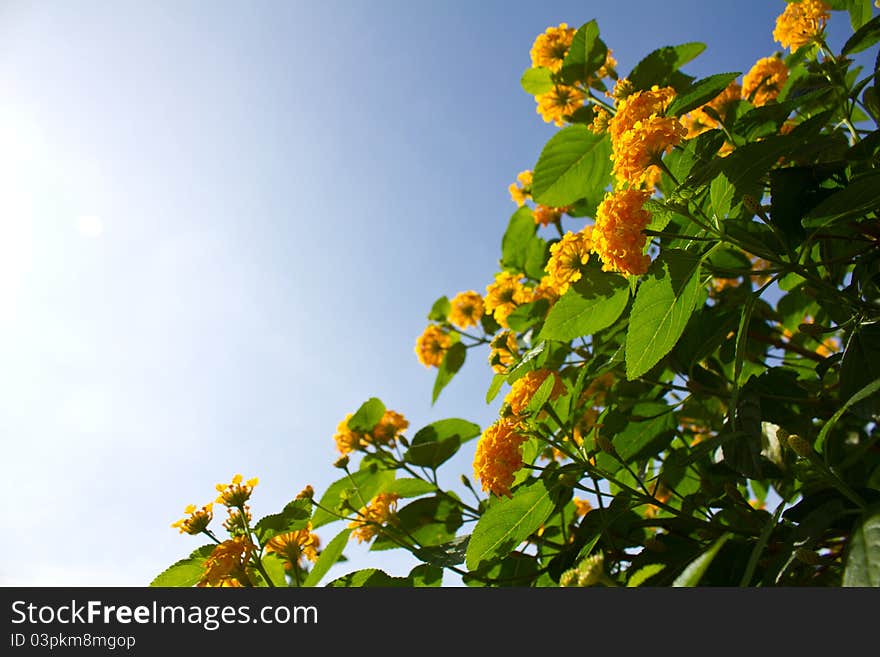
236	523
306	493
608	68
699	121
381	510
388	429
636	150
554	106
294	546
504	295
637	107
524	388
617	236
499	456
198	520
550	48
522	188
346	439
466	309
801	23
764	81
504	351
567	258
227	563
235	494
545	215
546	289
431	346
582	507
601	120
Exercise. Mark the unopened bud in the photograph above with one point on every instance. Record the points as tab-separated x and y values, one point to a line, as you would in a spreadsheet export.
306	493
569	578
591	570
800	446
341	462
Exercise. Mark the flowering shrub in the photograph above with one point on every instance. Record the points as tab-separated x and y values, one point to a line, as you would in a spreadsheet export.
693	369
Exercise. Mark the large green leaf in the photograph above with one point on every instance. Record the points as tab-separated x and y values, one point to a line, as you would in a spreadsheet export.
590	305
649	427
186	572
520	232
574	164
359	488
863	552
664	304
409	487
860	197
430	521
700	92
509	522
660	65
537	80
865	37
367	416
437	442
295	516
695	570
329	556
453	359
585	54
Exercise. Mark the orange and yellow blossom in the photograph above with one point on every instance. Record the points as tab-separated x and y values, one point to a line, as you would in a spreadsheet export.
388	430
637	106
466	309
551	47
499	456
235	494
522	188
346	439
381	510
581	507
634	154
504	295
801	23
431	346
198	519
544	215
617	236
294	546
226	564
524	388
562	101
567	258
764	81
699	120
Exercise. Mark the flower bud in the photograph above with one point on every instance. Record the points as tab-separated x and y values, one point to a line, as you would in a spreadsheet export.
341	463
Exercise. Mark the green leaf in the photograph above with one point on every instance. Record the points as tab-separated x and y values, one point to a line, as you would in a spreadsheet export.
426	575
663	306
658	67
585	56
695	570
369	577
453	359
537	80
508	522
860	367
495	387
864	393
368	482
428	520
274	567
542	394
295	516
440	310
644	573
410	487
186	572
574	164
700	93
527	315
650	428
367	416
860	197
863	552
445	555
865	37
328	557
438	441
520	232
747	164
590	305
721	196
859	14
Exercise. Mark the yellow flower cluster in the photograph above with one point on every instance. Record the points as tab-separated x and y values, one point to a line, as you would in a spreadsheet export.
466	309
294	546
381	510
567	258
764	81
801	23
236	523
235	494
521	190
499	456
387	431
198	519
559	103
544	215
432	345
226	564
504	351
504	295
617	237
525	387
551	47
699	121
637	150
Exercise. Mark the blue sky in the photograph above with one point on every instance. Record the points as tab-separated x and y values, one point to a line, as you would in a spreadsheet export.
222	226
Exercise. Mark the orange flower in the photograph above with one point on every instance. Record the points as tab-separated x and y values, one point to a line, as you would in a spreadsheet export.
499	456
764	81
801	23
617	236
525	387
431	346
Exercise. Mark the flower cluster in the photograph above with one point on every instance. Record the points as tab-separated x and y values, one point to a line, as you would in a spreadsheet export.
386	433
466	309
198	519
617	237
801	23
292	547
379	511
432	345
525	387
499	456
764	81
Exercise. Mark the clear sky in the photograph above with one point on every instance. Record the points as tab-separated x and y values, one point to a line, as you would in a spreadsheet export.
221	228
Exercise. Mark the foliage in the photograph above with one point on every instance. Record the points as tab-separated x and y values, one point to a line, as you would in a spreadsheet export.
693	376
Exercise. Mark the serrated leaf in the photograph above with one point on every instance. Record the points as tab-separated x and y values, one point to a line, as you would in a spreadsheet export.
295	516
453	359
660	65
367	416
590	305
700	93
367	482
508	522
585	55
860	197
186	572
663	305
369	577
574	164
435	443
328	557
863	552
495	387
537	80
865	37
